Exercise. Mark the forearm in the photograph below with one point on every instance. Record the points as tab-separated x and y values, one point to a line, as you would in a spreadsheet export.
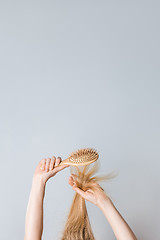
119	226
34	213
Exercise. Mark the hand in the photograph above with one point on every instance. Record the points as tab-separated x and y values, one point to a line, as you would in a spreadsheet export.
48	168
96	195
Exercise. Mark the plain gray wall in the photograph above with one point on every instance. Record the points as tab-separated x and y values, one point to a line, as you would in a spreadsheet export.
80	74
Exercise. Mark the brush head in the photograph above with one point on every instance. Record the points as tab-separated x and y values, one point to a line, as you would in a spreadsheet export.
81	157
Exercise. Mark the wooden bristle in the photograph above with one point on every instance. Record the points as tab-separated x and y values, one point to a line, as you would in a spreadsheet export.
84	155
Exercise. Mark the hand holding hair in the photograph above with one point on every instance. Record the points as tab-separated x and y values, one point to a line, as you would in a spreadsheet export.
95	195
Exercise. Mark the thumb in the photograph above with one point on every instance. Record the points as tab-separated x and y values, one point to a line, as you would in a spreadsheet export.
60	167
79	191
56	170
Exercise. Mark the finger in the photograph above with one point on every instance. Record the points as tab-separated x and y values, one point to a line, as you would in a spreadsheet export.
71	181
43	162
47	164
98	186
60	167
79	191
57	169
52	162
58	160
74	176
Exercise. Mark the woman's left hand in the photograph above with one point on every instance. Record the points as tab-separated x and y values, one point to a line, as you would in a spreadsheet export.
48	167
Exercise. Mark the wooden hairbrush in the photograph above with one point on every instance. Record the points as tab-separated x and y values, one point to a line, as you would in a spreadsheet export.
81	157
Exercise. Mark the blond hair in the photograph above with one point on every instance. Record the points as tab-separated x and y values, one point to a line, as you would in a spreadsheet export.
78	226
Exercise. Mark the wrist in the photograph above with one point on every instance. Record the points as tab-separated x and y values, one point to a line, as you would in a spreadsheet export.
104	202
38	182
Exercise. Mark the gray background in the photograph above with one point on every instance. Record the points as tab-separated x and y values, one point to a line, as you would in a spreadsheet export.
80	74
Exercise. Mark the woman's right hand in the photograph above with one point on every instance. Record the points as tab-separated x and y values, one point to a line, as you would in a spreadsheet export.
96	196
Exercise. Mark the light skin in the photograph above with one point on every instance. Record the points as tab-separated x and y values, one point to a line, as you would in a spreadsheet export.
48	168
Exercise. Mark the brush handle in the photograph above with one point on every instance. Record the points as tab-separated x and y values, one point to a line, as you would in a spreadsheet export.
64	162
